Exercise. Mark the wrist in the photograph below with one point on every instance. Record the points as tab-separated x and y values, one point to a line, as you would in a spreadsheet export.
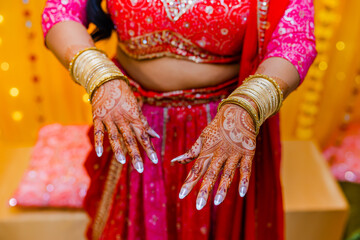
259	95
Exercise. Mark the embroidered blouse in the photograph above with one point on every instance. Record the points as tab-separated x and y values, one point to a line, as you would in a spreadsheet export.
196	30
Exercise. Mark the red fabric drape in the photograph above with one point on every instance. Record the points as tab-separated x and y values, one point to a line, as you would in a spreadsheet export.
264	211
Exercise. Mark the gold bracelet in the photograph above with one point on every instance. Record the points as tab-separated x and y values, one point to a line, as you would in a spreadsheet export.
71	64
91	68
246	105
263	91
264	95
276	85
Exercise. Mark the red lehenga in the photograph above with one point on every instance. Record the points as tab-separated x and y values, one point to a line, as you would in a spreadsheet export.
146	206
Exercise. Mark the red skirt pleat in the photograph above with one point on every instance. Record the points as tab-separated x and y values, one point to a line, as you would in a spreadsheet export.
147	206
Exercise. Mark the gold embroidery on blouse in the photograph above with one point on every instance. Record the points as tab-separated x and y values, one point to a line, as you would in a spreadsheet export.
169	44
262	23
176	8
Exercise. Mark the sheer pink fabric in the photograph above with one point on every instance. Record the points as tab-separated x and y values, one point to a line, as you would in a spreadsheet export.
56	176
343	154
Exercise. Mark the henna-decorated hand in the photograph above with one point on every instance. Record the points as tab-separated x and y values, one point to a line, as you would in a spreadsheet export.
228	142
116	109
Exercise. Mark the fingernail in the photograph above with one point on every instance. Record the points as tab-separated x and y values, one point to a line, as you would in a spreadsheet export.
200	203
183	192
154	158
99	151
139	167
181	157
153	133
218	199
243	191
120	158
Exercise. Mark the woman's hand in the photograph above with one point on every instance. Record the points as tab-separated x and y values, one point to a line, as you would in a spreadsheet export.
227	143
116	109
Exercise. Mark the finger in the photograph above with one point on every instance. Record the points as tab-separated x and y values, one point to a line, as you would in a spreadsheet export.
196	172
191	154
148	129
144	139
210	179
245	172
114	138
99	137
131	145
227	176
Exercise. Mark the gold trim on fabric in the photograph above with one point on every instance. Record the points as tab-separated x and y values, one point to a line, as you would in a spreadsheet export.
169	44
103	211
262	23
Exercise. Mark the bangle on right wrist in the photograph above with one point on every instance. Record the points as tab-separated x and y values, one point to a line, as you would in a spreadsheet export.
263	91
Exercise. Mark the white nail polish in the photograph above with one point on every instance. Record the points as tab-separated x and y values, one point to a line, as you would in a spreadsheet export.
218	199
139	167
243	191
154	158
120	158
99	151
181	157
183	192
152	132
200	203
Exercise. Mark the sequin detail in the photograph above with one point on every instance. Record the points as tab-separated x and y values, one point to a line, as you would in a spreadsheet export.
169	44
215	27
176	8
263	7
203	31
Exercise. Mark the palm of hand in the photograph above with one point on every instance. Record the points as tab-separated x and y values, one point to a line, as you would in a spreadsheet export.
116	109
228	142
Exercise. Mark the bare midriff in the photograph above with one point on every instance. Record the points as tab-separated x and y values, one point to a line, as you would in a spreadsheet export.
169	74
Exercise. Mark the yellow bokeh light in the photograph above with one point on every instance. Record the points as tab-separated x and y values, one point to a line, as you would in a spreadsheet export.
1	18
17	116
0	40
85	97
323	66
5	66
14	92
340	45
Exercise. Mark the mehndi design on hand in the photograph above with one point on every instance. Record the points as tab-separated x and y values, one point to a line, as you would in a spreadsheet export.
116	109
227	143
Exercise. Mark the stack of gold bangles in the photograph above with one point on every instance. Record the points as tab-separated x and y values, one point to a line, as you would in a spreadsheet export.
264	91
91	68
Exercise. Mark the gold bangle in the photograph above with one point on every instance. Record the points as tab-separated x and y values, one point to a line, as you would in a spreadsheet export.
276	85
263	91
71	64
91	68
246	105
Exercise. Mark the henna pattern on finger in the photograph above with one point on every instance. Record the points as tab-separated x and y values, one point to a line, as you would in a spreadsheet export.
99	137
226	178
190	155
196	172
245	172
209	180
